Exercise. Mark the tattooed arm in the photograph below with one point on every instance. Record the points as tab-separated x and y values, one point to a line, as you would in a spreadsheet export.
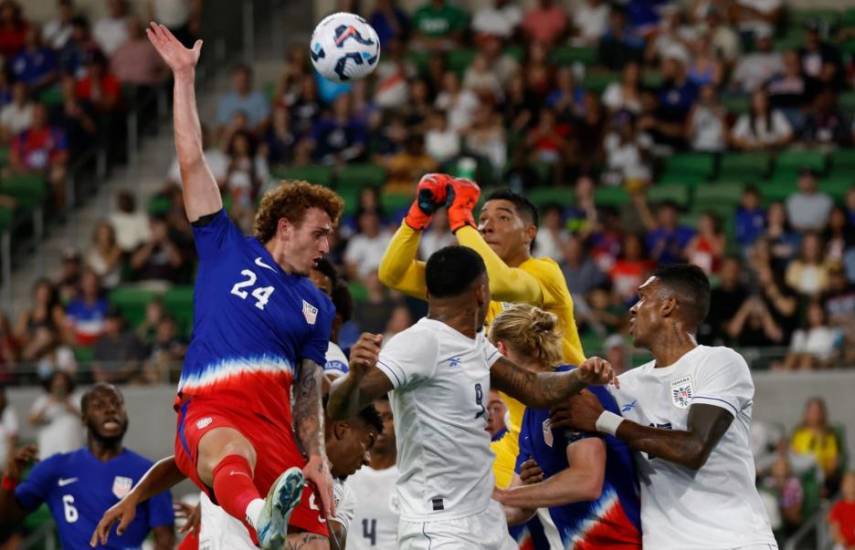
309	429
545	389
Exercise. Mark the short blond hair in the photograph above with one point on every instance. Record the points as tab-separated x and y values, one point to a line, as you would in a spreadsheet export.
290	200
530	331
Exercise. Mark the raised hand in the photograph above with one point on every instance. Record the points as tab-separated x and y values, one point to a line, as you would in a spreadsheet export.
579	413
364	353
466	194
174	54
192	516
123	511
432	193
596	371
20	459
530	472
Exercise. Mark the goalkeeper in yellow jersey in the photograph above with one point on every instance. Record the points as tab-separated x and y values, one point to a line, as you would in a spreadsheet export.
503	236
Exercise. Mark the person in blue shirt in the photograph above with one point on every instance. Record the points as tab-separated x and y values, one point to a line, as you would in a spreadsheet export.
750	219
78	487
36	65
589	484
666	237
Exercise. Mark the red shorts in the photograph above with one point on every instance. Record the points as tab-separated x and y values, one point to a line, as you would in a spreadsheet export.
274	446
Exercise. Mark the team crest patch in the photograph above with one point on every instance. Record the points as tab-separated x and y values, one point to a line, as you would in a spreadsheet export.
122	486
203	423
547	432
681	392
310	312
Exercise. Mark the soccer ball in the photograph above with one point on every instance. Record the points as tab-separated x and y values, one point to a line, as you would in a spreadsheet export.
344	47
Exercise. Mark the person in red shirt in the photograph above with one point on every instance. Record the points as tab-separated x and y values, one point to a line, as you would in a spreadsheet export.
631	268
42	149
98	86
842	515
13	29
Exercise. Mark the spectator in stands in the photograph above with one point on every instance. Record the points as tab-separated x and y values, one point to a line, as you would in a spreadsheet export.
42	149
80	47
808	209
36	64
756	17
725	301
725	40
625	95
215	156
537	70
86	314
666	238
841	518
486	138
546	23
551	234
756	68
826	125
246	174
17	115
9	350
603	315
814	345
780	243
548	143
242	98
459	104
99	87
790	90
136	61
68	282
504	65
366	248
579	269
131	226
167	352
567	97
111	30
159	260
57	31
817	437
754	325
839	299
8	426
619	45
704	67
105	255
441	142
118	352
13	28
762	128
786	490
279	140
817	54
74	117
590	21
390	22
750	218
481	80
146	331
372	313
56	416
808	274
706	124
497	19
839	235
706	249
400	320
627	152
439	25
409	165
437	236
631	268
340	137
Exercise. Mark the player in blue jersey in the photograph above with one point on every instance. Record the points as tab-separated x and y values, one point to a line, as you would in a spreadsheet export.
80	486
590	487
259	326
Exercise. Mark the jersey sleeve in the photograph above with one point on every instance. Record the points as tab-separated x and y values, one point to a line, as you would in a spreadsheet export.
345	505
491	354
315	346
724	380
399	268
160	512
213	233
36	489
409	357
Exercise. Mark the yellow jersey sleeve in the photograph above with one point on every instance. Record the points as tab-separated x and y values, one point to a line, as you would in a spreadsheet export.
399	269
507	448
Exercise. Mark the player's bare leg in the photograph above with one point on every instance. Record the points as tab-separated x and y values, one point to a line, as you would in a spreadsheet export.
226	463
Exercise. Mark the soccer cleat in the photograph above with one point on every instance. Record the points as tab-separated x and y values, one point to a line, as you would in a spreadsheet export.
283	496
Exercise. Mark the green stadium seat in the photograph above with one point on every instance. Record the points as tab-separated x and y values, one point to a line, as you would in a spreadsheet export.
395	202
6	216
541	196
357	291
842	158
679	194
30	190
846	102
679	178
351	200
778	190
159	206
691	164
847	47
597	81
459	60
51	96
848	18
611	196
837	185
132	302
84	354
516	52
718	193
651	79
568	55
321	175
746	167
593	344
793	161
178	301
736	104
4	156
825	16
419	59
357	176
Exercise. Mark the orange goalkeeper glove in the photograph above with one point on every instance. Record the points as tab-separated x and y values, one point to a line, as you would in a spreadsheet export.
432	194
465	197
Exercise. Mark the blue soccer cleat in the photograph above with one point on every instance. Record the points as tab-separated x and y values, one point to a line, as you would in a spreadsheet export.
283	496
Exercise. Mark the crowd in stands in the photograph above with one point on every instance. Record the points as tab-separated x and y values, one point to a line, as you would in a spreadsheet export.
647	132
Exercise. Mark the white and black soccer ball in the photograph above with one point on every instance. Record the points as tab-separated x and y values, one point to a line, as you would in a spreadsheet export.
344	47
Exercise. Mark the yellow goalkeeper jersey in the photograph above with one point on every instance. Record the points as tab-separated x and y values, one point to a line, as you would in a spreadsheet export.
537	281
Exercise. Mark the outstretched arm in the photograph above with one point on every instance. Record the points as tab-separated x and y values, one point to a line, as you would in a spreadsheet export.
545	389
399	269
201	194
363	383
690	448
11	511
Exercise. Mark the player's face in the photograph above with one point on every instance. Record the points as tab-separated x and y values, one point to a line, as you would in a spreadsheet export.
307	242
645	317
354	441
105	415
503	229
385	441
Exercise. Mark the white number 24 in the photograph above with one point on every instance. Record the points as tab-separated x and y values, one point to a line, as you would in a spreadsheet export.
261	293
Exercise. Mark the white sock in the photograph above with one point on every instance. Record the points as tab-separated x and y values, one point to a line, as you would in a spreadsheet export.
253	511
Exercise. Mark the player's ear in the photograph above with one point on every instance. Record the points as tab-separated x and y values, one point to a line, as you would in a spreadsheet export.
340	429
668	307
283	227
502	347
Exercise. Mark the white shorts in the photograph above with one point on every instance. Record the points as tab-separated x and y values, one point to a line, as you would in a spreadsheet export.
220	531
487	530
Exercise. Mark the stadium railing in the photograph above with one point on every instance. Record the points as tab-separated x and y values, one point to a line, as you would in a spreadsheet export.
813	533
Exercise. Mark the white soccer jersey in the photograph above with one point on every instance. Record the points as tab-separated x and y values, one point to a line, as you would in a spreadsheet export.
717	506
375	522
441	381
220	531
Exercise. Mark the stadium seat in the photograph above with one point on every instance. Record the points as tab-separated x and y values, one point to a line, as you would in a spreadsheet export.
736	104
322	175
747	167
459	60
677	178
718	193
419	59
690	165
792	162
611	196
842	159
357	291
29	190
597	81
395	203
837	185
568	55
516	52
778	190
132	302
848	18
651	78
679	194
4	156
357	176
6	216
178	301
846	102
541	196
159	206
